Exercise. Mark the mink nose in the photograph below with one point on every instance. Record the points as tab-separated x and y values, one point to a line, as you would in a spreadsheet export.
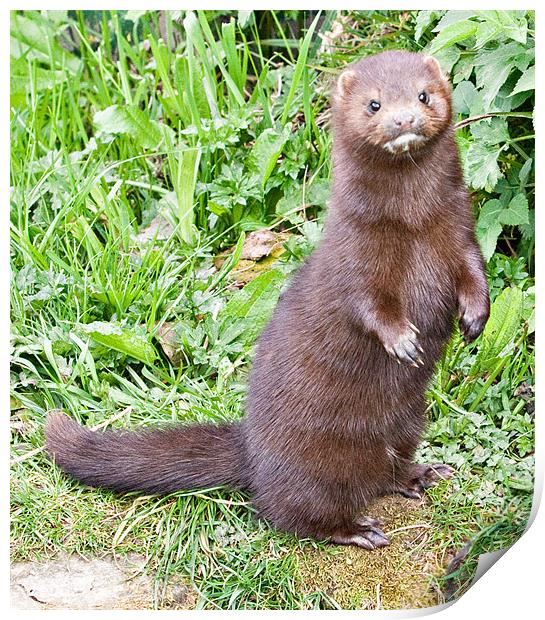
403	120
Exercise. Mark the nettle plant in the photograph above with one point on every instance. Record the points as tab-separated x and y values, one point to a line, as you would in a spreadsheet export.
490	56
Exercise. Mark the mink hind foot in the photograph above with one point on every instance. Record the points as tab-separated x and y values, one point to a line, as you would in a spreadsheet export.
423	477
362	533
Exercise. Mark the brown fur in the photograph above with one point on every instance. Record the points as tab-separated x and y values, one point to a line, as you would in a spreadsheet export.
336	404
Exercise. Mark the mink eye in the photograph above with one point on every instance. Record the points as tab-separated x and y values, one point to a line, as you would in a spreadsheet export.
424	97
374	106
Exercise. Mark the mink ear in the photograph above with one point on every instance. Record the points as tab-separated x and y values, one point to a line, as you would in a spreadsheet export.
435	67
344	81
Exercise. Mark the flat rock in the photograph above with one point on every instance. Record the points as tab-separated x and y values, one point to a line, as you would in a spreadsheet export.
72	582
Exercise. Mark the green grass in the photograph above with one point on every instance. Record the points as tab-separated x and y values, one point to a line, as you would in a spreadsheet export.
219	133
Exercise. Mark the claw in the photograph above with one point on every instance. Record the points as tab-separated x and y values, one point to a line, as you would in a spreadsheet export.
377	538
367	521
407	348
410	493
367	535
425	476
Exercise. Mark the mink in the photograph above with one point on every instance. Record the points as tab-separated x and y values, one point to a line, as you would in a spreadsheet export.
336	397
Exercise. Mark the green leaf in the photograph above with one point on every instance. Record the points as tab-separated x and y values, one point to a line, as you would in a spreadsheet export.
503	324
453	17
517	211
183	166
493	67
135	15
490	131
298	197
133	122
85	234
481	168
229	45
230	263
290	204
516	29
24	76
423	20
266	151
244	18
493	215
113	336
525	171
467	99
490	213
448	57
247	302
488	239
251	307
216	208
489	227
170	98
486	31
504	23
215	50
529	230
464	68
526	81
35	38
299	68
451	34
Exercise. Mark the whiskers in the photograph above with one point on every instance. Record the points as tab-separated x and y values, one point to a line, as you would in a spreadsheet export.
409	155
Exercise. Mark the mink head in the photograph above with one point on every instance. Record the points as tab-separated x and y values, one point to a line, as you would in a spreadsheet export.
393	103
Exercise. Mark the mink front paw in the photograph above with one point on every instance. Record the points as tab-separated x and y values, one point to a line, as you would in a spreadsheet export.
404	345
473	317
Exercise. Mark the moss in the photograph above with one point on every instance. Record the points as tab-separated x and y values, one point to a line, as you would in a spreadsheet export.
399	576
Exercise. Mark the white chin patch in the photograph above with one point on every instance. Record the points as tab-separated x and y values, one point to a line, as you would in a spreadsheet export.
403	143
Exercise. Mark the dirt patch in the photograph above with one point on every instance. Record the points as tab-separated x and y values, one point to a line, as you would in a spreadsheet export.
72	582
399	576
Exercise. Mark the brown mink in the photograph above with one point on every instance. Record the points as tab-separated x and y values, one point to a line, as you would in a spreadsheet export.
336	398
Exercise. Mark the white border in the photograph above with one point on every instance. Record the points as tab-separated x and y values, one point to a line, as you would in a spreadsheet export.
513	587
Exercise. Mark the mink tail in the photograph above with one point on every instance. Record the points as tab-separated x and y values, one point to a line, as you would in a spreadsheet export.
149	461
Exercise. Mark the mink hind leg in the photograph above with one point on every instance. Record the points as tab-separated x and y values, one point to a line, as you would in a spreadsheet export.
322	513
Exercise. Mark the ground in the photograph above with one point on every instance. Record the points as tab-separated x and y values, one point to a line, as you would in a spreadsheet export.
401	576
